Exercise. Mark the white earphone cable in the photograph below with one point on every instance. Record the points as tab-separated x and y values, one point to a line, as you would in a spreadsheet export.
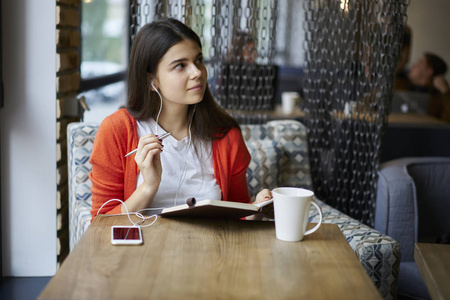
160	108
183	173
137	214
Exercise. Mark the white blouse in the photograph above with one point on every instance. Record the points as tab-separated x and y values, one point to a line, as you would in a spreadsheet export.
184	173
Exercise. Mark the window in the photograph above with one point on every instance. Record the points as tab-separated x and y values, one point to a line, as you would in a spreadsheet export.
104	56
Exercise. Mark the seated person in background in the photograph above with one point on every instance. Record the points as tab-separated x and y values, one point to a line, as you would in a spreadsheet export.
428	75
239	64
243	83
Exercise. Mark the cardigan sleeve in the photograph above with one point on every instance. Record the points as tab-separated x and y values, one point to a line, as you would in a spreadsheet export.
107	174
113	176
231	160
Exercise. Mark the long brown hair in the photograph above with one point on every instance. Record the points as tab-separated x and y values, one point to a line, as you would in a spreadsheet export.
210	121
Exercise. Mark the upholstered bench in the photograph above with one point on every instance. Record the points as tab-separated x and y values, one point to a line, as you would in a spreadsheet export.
279	151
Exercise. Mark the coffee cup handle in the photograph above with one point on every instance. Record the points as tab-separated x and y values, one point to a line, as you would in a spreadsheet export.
320	218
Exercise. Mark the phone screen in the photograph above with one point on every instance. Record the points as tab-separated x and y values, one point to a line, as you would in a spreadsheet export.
126	235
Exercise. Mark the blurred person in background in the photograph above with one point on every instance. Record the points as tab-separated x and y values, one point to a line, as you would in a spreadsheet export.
427	75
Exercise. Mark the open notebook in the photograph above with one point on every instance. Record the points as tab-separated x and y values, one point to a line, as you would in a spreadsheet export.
217	209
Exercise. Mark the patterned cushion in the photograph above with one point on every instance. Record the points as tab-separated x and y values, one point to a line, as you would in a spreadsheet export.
295	169
378	253
290	138
263	169
80	140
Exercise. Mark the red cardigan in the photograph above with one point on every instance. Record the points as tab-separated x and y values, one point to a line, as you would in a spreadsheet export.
114	177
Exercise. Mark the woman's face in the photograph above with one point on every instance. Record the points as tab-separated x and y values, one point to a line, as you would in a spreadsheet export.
181	74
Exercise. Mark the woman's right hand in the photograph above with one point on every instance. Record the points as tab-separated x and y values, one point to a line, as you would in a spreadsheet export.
148	160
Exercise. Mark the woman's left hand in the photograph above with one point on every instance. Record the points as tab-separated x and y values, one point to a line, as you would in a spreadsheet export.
263	196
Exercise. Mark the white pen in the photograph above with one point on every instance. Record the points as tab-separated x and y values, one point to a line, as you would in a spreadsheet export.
161	137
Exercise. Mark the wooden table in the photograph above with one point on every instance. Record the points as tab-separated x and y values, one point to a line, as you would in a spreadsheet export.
393	118
415	119
210	259
433	261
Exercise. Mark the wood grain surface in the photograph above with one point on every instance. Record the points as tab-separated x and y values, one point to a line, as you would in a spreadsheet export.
210	259
433	261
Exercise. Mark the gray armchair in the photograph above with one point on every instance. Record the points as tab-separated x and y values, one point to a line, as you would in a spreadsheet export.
413	205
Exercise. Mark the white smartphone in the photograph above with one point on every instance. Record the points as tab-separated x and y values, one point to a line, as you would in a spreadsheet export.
126	235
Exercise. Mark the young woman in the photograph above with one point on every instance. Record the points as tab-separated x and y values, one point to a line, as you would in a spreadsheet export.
205	157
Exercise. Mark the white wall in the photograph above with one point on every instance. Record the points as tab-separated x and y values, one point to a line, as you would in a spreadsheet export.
28	138
430	24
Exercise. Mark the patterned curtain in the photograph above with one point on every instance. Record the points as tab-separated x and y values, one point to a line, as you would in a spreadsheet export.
238	38
352	49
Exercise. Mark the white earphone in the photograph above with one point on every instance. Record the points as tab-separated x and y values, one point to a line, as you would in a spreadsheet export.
160	107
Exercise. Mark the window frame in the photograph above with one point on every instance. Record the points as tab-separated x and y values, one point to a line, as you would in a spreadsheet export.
96	82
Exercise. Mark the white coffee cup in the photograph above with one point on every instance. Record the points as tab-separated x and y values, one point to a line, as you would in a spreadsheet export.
291	209
288	102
